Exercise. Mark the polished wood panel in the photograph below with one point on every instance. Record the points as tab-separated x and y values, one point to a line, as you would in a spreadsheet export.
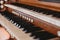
41	4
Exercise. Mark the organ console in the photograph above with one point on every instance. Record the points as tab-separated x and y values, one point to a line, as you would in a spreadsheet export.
38	17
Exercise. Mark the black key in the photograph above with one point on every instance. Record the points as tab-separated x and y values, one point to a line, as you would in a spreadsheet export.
43	35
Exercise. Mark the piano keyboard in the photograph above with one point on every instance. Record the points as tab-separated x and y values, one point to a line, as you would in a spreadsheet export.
47	21
25	22
46	18
13	30
38	10
16	25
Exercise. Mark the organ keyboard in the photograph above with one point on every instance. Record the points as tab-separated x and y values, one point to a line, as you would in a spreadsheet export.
36	21
15	32
10	23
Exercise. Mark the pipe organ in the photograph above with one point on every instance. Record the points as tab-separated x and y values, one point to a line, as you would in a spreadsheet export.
31	19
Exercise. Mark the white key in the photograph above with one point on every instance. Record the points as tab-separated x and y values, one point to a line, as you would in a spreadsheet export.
10	20
19	26
15	23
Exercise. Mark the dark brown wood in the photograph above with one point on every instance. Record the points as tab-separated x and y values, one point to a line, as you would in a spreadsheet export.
41	4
